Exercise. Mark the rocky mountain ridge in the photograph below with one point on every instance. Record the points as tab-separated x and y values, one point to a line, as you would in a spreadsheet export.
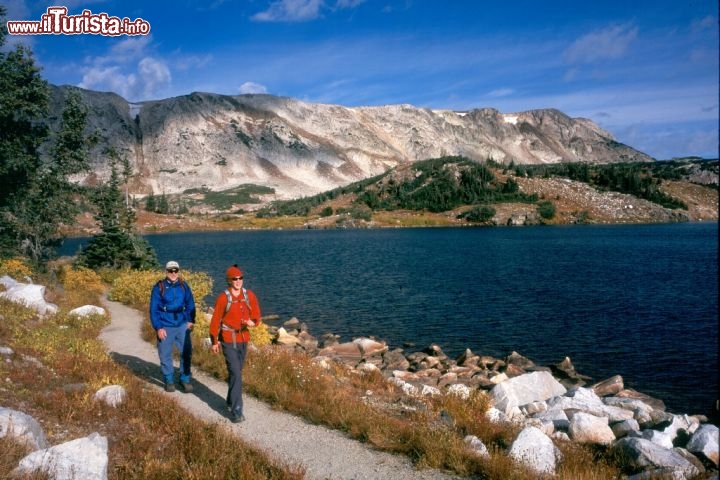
205	140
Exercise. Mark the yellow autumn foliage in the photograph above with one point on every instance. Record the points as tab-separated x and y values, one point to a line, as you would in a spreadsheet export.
15	268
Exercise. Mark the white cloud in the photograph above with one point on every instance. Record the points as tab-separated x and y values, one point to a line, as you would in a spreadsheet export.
300	10
501	92
150	78
348	3
128	69
708	22
290	11
108	79
131	47
252	87
154	76
609	43
192	62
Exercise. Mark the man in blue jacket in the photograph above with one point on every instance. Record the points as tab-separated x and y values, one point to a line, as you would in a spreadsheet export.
172	313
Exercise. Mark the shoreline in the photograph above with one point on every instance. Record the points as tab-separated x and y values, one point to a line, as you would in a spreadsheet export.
171	230
564	370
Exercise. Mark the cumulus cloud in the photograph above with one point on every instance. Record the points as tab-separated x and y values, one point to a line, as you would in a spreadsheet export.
129	69
109	79
143	80
154	76
252	87
608	43
300	10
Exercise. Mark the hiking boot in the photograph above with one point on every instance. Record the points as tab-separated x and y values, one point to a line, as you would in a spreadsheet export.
187	387
237	418
169	387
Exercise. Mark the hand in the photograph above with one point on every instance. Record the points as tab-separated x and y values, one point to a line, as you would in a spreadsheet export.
190	325
162	334
250	323
215	348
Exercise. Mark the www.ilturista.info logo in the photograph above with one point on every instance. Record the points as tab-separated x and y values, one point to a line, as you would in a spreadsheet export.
57	22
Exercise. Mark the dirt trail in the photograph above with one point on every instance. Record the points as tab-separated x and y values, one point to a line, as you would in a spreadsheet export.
324	453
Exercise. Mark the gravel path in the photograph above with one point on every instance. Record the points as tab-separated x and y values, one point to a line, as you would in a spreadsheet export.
324	453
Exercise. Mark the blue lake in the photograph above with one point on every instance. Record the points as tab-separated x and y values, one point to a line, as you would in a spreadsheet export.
640	301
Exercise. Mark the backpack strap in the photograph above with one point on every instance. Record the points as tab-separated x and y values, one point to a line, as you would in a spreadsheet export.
228	304
161	286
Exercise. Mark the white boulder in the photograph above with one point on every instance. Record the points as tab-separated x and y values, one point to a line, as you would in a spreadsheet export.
524	389
22	427
28	294
646	455
84	458
535	450
112	395
705	441
87	310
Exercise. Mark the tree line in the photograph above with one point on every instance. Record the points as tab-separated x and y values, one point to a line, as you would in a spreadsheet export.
639	179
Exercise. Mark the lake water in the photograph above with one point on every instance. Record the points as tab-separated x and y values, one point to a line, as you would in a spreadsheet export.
640	301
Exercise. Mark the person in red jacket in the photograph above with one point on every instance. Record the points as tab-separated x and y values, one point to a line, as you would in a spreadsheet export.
236	309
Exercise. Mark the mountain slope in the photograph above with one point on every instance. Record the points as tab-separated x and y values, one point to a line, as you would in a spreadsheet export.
211	141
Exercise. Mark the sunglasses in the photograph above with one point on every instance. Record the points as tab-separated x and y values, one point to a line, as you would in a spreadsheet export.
172	270
234	279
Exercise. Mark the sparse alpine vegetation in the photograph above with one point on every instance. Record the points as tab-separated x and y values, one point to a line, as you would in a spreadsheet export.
472	191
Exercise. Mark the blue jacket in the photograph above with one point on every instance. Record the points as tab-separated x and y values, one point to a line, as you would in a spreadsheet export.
172	306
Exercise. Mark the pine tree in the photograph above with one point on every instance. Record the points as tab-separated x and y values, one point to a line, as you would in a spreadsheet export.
49	198
163	206
150	203
23	102
117	245
36	196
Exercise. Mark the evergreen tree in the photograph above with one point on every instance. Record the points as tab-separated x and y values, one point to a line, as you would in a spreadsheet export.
150	203
49	199
23	103
116	246
162	205
36	196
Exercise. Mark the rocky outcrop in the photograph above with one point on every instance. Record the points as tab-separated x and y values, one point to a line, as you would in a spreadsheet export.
205	140
552	403
28	294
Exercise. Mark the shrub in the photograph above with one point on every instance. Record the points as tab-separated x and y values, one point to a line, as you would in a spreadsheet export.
482	213
133	287
16	268
546	209
260	335
82	286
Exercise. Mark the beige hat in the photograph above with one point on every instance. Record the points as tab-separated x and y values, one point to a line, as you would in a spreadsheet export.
172	264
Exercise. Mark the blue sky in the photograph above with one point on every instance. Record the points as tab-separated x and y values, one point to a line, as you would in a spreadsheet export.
647	71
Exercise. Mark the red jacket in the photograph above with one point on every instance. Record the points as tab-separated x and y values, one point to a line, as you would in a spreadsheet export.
235	321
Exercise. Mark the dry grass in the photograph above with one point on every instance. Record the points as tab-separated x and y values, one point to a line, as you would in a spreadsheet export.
57	366
364	406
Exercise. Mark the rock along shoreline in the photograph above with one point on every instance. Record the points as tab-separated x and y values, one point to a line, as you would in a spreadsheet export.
549	402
